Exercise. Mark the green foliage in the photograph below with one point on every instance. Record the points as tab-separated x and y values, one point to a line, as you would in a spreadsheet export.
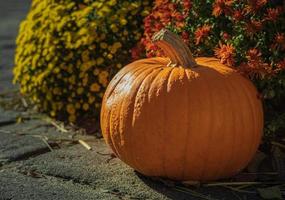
248	35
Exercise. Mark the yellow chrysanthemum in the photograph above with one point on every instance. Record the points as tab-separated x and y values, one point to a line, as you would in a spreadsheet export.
95	87
67	51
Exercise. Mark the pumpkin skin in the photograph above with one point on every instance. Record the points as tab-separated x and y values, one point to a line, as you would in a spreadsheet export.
202	123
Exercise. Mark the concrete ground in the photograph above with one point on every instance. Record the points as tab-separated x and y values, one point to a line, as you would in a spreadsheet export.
39	162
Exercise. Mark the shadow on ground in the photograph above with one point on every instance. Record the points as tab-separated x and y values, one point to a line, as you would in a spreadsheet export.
178	191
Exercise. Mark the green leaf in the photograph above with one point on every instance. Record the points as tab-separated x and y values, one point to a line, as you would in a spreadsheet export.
270	192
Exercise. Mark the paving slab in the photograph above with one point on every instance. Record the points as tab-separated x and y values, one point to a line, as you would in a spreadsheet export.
93	168
18	186
7	116
17	147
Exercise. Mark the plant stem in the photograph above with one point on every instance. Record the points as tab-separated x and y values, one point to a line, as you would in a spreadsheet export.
174	48
239	183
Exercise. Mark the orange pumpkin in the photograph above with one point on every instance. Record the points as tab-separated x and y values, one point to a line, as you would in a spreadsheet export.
182	118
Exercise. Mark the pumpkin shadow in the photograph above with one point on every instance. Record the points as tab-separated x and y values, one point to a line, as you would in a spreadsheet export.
177	191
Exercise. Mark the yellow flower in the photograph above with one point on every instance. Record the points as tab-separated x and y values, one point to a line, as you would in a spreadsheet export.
104	74
82	31
110	56
56	90
77	105
52	113
65	49
86	65
96	72
72	118
100	60
70	109
103	80
117	45
103	45
145	13
80	90
95	87
85	106
112	2
123	21
114	28
91	99
56	70
71	79
85	80
85	56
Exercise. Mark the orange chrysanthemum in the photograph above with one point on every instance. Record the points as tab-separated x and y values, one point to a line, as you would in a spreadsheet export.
280	65
279	41
253	26
272	14
201	33
255	67
226	53
222	6
161	2
280	38
187	4
254	5
238	15
253	54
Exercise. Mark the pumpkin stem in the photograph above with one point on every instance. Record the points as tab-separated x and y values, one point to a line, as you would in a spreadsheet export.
174	48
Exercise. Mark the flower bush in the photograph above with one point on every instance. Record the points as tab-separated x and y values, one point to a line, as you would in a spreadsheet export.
67	51
246	34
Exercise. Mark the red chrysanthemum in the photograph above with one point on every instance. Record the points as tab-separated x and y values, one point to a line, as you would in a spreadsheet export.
185	36
226	36
255	67
187	4
222	6
279	41
272	14
280	65
253	26
280	38
254	5
238	15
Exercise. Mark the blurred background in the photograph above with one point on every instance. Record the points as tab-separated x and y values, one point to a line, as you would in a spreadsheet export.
11	14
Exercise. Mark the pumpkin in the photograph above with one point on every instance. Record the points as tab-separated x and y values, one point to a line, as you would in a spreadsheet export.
182	118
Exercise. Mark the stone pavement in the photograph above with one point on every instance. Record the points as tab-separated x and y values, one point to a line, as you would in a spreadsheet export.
39	162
